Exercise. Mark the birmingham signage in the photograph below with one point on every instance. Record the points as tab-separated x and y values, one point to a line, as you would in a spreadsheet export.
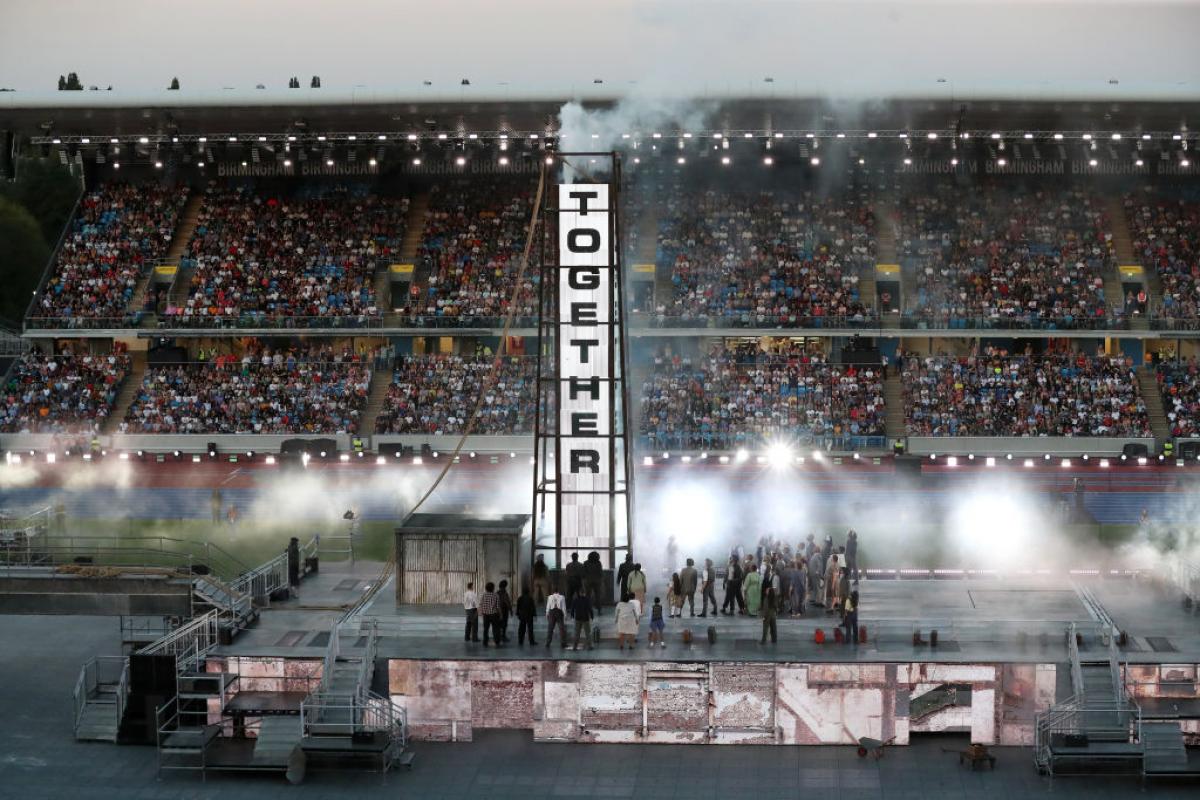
585	366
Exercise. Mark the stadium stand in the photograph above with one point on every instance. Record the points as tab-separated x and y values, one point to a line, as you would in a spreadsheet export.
436	394
119	229
1006	256
1165	227
741	395
1180	386
61	393
772	258
471	251
259	256
997	394
264	390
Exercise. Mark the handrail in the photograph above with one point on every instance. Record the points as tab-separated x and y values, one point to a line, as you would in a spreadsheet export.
90	679
217	558
331	656
54	254
190	642
1076	667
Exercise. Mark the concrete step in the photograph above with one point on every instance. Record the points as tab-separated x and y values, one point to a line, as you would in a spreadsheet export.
129	390
192	214
381	379
1152	397
893	404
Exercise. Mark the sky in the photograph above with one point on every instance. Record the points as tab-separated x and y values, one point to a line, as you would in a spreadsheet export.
848	48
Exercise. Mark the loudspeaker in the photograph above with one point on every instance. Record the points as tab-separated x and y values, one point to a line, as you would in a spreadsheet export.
211	447
1189	450
1135	450
314	447
712	634
933	638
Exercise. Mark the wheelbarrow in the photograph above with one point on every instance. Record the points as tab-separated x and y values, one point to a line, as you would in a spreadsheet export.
873	746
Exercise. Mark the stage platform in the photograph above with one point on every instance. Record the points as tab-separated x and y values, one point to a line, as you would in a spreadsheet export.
1000	619
1002	656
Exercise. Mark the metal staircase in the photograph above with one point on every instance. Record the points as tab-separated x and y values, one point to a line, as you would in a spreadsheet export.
344	718
410	245
1098	726
210	593
100	696
947	695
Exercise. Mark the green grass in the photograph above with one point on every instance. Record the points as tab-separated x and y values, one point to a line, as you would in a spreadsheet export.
252	543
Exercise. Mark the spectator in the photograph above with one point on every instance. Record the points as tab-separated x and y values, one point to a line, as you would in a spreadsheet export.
994	394
626	621
657	625
556	609
489	609
436	394
1165	228
312	255
744	395
525	613
267	390
471	250
471	607
119	228
1180	386
1006	255
61	394
772	258
583	619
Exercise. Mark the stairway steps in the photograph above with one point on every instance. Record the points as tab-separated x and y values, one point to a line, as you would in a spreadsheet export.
179	247
381	380
129	389
1152	397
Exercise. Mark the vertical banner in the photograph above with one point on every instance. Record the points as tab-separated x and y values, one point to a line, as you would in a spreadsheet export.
585	366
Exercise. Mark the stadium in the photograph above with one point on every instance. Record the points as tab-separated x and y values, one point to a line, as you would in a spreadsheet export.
896	362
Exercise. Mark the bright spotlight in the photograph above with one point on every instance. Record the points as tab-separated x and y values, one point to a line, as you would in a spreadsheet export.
647	461
344	457
124	456
1141	461
991	462
952	461
305	458
1029	462
49	458
742	455
380	460
1104	463
816	455
779	455
724	459
418	461
1066	462
270	460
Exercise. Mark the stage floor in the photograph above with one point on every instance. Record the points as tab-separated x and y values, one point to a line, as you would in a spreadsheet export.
997	620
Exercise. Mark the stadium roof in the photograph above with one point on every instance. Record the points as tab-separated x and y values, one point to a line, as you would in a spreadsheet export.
467	109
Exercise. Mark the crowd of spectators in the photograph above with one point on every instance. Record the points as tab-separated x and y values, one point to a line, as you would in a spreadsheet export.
1179	383
1166	237
118	228
765	258
994	393
1006	255
743	394
312	254
262	390
61	393
471	250
436	394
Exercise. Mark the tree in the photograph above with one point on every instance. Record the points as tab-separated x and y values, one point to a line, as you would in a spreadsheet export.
47	190
23	256
174	85
73	83
62	83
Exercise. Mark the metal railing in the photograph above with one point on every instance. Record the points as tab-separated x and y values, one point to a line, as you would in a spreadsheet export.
102	671
54	254
917	321
173	551
1073	717
332	650
189	643
253	321
342	715
265	579
1073	654
869	320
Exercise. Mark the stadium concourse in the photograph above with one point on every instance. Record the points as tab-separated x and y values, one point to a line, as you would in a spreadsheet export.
923	402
